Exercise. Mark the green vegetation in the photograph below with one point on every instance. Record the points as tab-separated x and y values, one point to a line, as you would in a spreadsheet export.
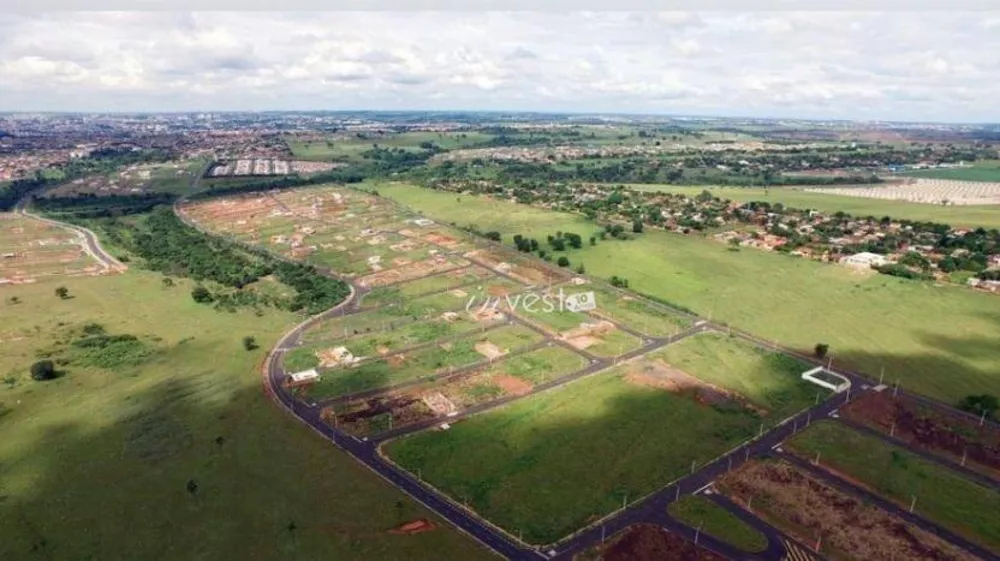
698	512
982	170
93	437
942	495
955	215
589	445
871	322
357	148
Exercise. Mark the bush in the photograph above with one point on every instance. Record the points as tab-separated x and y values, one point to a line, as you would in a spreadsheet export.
563	261
979	404
62	292
821	349
249	343
201	295
43	370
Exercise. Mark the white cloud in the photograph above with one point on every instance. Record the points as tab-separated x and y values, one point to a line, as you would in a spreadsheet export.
939	66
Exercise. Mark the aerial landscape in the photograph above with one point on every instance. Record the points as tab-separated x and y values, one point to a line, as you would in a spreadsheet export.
280	286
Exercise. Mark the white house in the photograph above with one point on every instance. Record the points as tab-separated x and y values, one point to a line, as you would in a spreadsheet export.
864	260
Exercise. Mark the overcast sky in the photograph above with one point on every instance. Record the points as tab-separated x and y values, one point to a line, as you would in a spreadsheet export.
906	66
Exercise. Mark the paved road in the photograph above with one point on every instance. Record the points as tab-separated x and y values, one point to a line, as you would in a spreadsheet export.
648	509
90	242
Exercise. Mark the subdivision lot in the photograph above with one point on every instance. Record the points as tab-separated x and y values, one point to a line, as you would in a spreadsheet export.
134	435
596	336
942	495
987	216
648	542
32	250
842	526
504	377
947	434
698	512
547	464
937	340
635	313
439	359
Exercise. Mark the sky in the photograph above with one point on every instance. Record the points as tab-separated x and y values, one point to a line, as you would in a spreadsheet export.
939	66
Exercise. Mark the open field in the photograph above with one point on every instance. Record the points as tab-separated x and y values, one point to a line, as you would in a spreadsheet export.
987	216
169	177
648	542
943	496
602	338
32	250
504	377
698	512
841	525
985	170
96	462
427	361
928	191
936	340
349	149
950	435
547	464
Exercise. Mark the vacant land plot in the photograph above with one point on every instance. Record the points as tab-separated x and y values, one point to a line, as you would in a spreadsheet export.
936	340
942	495
698	512
584	332
350	148
953	436
984	170
635	313
840	524
32	250
589	445
932	191
192	410
438	359
648	542
966	215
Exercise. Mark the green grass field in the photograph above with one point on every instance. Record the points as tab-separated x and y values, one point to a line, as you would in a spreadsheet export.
943	496
937	340
698	512
960	215
547	464
986	170
350	149
95	464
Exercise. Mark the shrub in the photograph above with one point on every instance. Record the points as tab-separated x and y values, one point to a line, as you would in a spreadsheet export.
563	261
821	349
43	370
201	295
980	404
249	343
62	292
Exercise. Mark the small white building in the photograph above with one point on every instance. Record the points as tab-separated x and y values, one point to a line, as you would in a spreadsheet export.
864	259
305	376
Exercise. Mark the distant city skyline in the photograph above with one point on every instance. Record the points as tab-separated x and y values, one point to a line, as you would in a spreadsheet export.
905	67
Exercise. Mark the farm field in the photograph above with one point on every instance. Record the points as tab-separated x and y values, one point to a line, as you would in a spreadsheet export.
99	445
32	250
943	496
426	361
987	216
950	435
936	340
699	512
589	445
843	526
986	170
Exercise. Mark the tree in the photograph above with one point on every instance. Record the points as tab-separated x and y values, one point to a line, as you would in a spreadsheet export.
62	292
14	300
704	197
201	295
43	370
563	261
980	404
593	240
580	269
495	236
167	282
192	487
249	343
619	282
637	226
821	349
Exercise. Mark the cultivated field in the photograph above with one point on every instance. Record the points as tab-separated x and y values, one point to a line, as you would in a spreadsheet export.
99	445
603	439
837	524
932	191
32	250
936	340
821	199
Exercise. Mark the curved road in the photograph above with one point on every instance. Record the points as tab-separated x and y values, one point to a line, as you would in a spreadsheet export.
89	240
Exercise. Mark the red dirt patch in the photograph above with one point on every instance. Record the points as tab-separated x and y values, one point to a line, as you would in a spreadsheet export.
438	238
414	527
512	385
659	374
646	542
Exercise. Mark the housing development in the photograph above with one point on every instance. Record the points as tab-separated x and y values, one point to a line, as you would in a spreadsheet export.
373	334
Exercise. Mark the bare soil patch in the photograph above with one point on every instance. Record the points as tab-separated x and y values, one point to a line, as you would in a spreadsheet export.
414	527
438	238
815	512
647	542
489	350
512	385
929	429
